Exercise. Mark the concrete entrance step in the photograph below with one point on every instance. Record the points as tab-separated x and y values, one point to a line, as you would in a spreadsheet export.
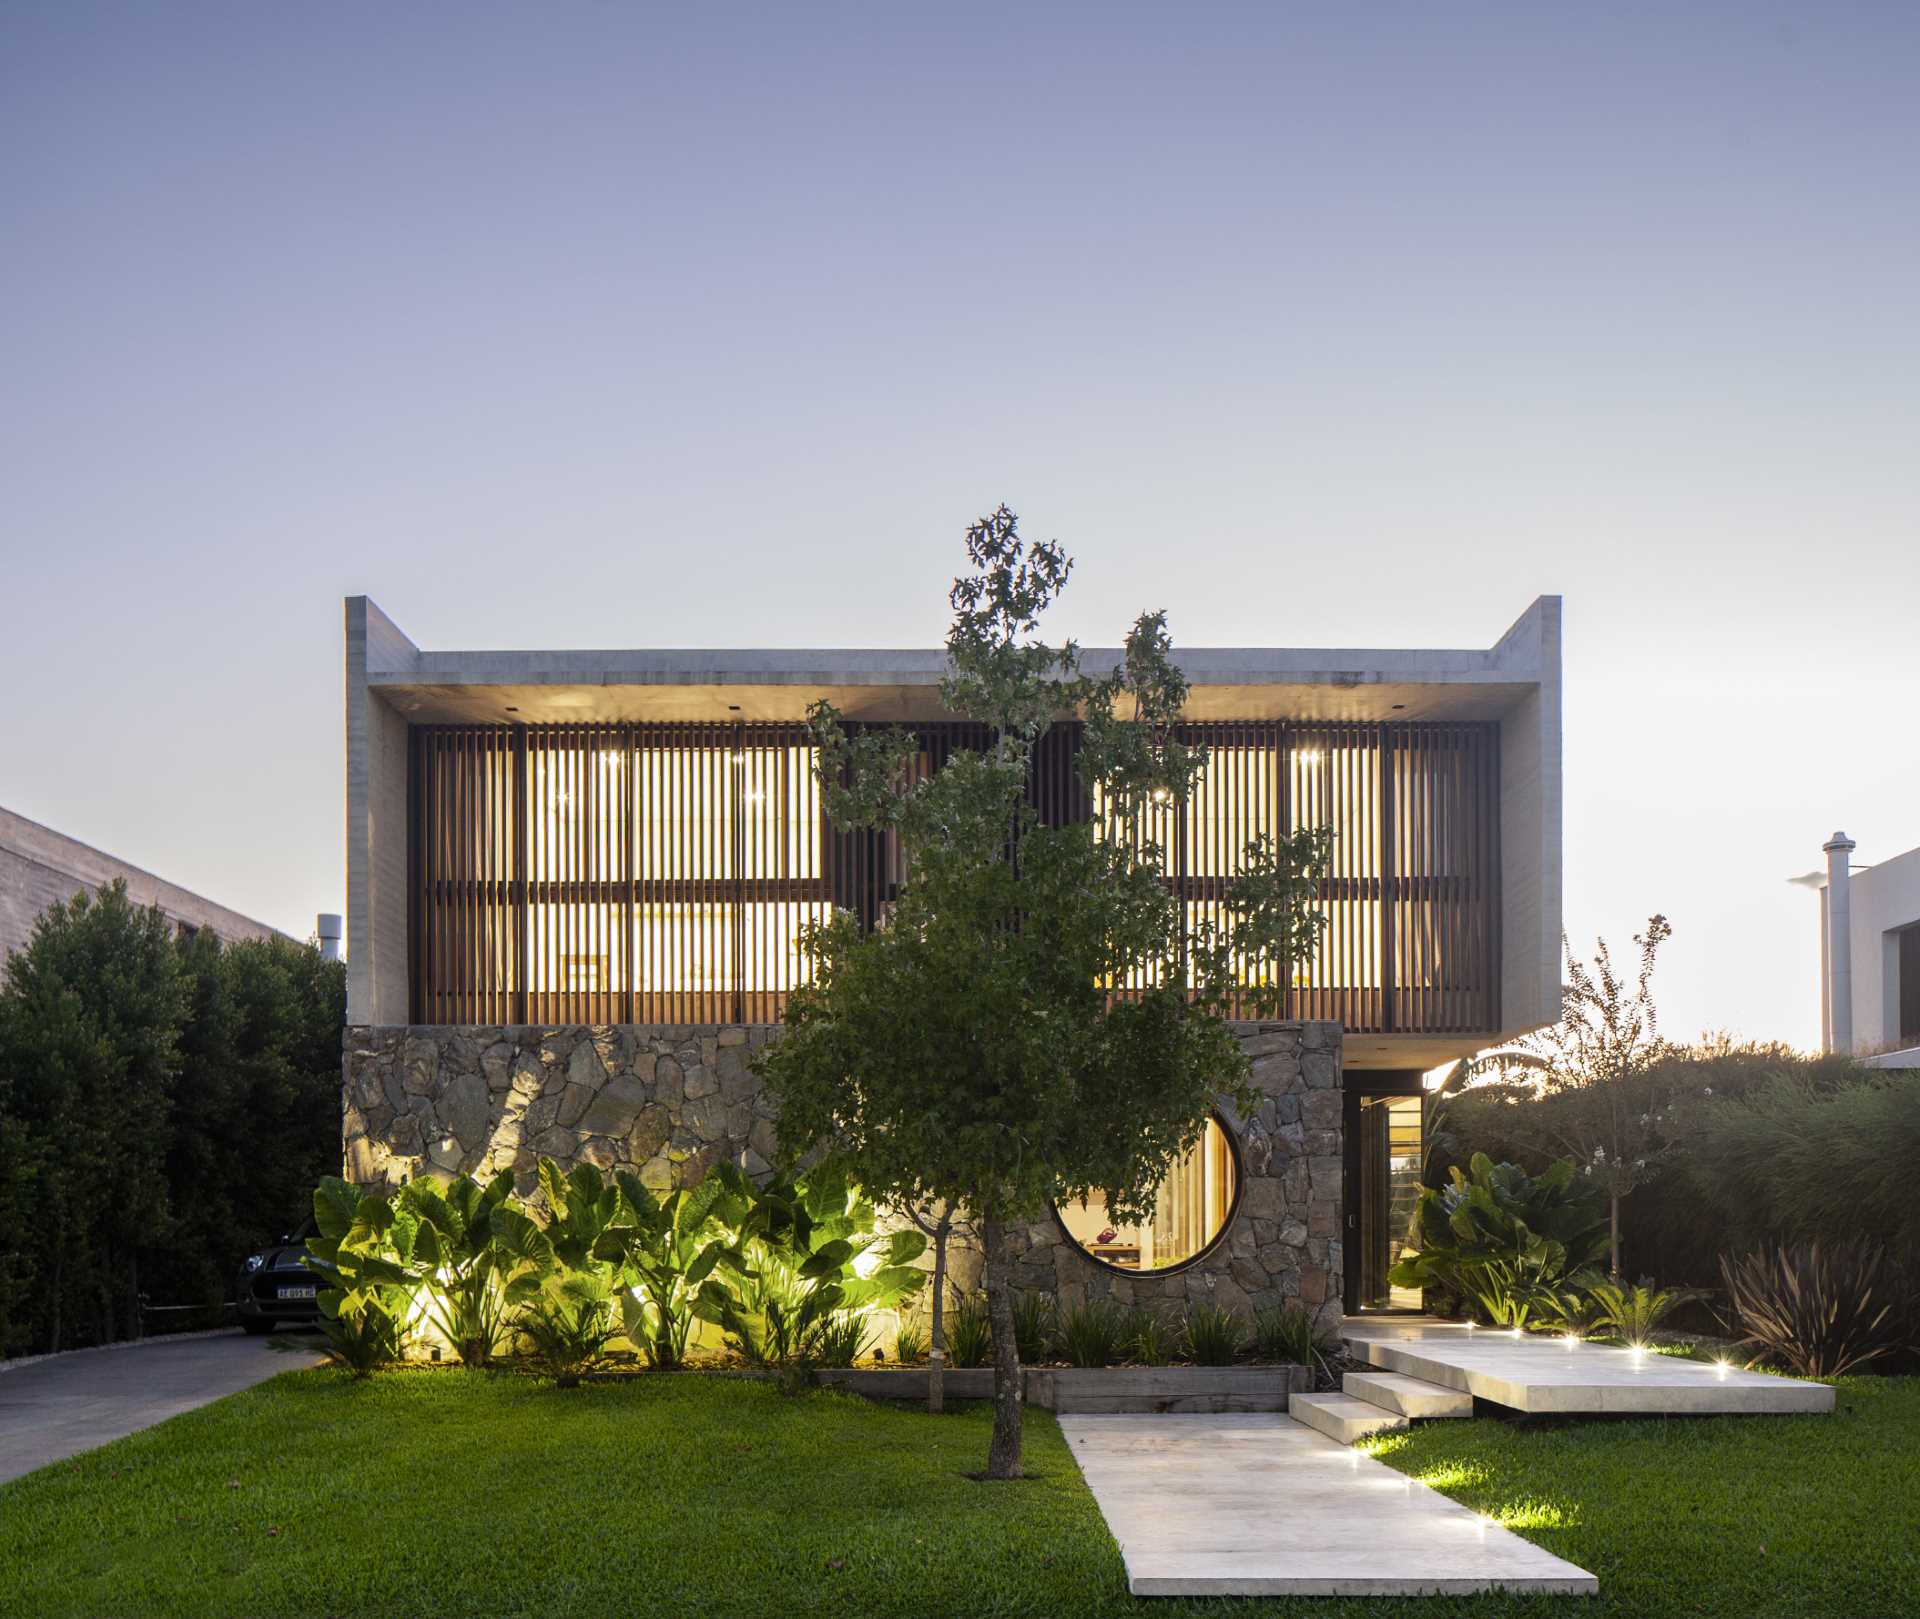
1342	1417
1565	1377
1412	1397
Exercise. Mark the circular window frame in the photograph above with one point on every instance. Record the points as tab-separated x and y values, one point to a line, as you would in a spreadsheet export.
1205	1250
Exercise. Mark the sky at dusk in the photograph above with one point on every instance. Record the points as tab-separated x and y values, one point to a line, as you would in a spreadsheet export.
614	325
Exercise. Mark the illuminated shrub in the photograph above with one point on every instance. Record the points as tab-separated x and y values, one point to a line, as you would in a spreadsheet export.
790	1273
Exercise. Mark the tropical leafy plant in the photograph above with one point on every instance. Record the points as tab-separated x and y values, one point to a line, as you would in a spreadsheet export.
812	1258
1512	1292
478	1259
1535	1228
1568	1303
1094	1332
363	1340
582	1206
1821	1312
667	1249
1212	1334
1633	1312
969	1331
570	1326
362	1256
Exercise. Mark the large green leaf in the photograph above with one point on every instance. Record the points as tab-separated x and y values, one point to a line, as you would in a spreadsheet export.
334	1204
829	1260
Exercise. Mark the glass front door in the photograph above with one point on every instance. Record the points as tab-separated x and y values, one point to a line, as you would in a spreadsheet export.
1386	1165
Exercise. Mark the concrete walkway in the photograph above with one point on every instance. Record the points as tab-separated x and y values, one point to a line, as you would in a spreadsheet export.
1263	1506
65	1404
1543	1374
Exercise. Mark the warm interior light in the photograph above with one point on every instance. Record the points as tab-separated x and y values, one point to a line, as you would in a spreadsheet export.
1190	1208
1308	756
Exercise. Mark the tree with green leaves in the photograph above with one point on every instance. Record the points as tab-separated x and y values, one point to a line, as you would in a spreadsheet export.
1038	1020
90	1026
166	1104
1599	1085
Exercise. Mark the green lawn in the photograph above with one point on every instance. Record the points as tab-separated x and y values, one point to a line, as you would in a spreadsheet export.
458	1493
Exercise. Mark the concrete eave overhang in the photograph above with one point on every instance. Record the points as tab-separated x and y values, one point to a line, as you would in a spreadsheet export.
1228	682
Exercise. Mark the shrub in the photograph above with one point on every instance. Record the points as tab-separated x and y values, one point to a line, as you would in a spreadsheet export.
1530	1229
1212	1334
361	1341
569	1328
1093	1333
787	1306
1633	1312
1147	1339
1035	1326
477	1257
1820	1312
910	1343
969	1332
842	1339
1569	1304
208	1079
1771	1146
1288	1333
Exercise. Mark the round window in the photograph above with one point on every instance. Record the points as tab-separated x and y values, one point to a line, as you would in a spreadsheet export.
1191	1209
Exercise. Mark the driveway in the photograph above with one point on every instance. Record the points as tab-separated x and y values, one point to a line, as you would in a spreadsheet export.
70	1403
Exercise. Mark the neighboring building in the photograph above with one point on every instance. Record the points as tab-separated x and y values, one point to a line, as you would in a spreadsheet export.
575	881
39	866
1869	955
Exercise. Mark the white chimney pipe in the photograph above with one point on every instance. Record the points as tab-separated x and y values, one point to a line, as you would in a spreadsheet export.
327	927
1839	943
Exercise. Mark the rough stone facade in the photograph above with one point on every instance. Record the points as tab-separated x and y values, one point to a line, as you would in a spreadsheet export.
669	1102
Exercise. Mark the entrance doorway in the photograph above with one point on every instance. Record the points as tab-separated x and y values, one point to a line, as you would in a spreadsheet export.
1384	1158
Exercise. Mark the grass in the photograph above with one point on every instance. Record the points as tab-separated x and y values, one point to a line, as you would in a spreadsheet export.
460	1492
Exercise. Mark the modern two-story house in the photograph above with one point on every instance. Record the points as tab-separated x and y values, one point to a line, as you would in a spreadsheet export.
576	882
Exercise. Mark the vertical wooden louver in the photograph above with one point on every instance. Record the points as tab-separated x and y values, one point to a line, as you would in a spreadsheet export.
662	873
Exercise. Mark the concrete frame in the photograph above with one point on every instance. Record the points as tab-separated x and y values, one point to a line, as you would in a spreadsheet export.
392	683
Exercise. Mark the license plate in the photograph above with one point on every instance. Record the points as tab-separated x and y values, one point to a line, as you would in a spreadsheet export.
296	1292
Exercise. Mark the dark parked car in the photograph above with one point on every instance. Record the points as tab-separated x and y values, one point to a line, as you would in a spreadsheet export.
274	1289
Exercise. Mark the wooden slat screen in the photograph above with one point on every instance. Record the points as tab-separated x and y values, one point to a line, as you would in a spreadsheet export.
661	873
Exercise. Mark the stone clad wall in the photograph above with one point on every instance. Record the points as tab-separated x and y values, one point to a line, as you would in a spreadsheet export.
669	1102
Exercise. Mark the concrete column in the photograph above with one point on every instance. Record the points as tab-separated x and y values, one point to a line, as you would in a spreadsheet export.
1839	941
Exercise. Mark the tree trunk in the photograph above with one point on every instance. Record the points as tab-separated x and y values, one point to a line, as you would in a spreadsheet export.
1613	1238
1003	1453
937	1350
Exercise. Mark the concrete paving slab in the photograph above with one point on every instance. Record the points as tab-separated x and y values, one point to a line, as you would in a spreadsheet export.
1546	1375
1261	1505
65	1404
